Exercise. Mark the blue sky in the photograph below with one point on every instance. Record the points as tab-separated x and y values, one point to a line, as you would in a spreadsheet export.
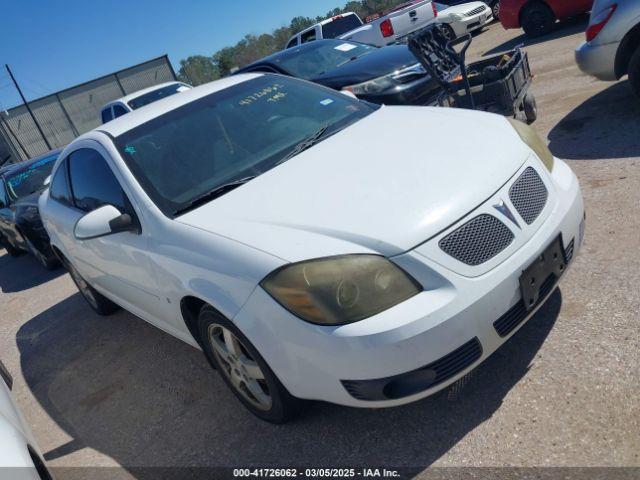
54	44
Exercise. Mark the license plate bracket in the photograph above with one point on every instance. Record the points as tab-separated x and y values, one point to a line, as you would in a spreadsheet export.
550	262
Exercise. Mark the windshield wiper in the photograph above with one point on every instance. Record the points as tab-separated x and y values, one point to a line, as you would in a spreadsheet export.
212	194
308	142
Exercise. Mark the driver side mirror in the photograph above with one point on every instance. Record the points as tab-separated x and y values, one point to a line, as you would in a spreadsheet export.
103	221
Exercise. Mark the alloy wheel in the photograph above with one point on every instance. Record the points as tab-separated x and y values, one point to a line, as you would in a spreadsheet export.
237	364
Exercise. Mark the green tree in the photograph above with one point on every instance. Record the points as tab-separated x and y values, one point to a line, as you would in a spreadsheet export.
200	69
197	70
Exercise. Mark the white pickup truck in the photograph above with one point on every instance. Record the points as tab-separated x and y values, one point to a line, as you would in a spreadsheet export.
390	28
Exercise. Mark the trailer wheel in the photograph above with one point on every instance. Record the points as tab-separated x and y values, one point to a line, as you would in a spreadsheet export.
530	108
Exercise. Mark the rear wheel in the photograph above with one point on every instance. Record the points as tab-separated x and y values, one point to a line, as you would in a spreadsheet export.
243	369
634	72
495	8
537	19
98	302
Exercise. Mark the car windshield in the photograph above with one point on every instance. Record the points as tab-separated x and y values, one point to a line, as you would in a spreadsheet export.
30	179
233	134
314	59
156	95
340	25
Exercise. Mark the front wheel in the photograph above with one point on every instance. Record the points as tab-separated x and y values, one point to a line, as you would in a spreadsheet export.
537	19
634	72
98	302
243	369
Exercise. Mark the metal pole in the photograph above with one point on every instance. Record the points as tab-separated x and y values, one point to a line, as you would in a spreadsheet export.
119	83
26	104
66	114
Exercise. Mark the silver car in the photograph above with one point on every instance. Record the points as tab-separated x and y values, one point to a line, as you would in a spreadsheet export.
612	49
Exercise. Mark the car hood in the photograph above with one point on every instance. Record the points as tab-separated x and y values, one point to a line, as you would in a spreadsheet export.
377	63
384	184
462	8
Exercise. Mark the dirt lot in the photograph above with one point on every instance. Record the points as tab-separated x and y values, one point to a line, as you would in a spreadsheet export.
563	392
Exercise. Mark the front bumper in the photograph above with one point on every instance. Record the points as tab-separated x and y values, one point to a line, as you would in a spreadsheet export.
471	24
597	60
456	312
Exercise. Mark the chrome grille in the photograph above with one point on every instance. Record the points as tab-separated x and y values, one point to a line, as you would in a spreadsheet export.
478	240
529	195
475	11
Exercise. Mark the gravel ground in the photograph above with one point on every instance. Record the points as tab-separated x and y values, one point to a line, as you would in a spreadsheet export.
563	392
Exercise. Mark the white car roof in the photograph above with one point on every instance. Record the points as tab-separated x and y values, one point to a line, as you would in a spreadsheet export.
137	117
139	93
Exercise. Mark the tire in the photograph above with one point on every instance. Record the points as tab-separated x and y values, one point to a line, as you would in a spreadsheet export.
244	370
49	262
634	72
11	250
98	302
495	8
530	108
537	19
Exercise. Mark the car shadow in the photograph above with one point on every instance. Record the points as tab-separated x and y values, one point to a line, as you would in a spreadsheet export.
124	388
604	126
561	29
23	272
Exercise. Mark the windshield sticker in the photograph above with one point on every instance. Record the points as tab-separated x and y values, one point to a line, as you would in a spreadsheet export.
345	47
130	150
272	93
326	102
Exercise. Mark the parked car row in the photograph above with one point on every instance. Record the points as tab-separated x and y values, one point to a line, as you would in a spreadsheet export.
395	26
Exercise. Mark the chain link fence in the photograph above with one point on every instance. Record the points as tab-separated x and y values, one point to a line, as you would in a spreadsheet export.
71	112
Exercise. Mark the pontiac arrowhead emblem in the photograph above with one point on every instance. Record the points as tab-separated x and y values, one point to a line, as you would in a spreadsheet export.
503	209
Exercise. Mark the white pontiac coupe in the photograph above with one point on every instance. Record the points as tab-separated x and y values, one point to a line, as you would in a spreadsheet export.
313	245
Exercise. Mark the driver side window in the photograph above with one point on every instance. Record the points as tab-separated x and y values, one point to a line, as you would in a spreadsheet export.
93	184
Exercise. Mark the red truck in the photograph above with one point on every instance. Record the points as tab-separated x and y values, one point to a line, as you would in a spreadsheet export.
537	17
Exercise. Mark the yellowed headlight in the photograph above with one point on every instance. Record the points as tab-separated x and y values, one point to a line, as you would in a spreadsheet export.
339	290
533	140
